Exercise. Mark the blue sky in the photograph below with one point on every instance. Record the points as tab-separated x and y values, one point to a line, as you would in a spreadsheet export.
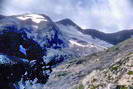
104	15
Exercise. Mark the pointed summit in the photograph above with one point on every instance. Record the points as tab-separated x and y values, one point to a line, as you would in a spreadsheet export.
68	22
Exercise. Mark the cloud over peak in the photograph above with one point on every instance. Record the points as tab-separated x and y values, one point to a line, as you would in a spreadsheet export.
105	15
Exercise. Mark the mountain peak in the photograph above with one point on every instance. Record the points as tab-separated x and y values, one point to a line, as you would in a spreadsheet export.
68	22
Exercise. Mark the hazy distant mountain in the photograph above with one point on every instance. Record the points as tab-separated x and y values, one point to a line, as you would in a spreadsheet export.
112	38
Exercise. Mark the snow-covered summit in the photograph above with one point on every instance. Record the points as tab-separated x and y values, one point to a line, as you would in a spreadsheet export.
38	27
34	17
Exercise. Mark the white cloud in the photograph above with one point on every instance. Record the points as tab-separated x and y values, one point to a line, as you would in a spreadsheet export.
106	15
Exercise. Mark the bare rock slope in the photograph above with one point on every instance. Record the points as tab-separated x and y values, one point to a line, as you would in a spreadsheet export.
110	69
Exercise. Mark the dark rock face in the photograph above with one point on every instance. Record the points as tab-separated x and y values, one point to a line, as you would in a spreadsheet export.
11	70
10	42
54	42
10	74
12	67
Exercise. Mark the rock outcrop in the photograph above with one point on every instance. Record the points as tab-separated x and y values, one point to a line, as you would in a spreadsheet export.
118	75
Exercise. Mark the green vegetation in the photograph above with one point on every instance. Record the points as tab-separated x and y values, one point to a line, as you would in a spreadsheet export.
94	87
94	54
131	65
130	53
80	86
123	87
62	73
114	68
114	48
130	73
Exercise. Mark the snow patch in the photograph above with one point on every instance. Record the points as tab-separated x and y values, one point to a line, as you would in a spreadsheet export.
29	84
34	17
35	26
4	59
73	42
22	49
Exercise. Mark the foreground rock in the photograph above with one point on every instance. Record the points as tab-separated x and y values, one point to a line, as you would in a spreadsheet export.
109	68
11	70
119	74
